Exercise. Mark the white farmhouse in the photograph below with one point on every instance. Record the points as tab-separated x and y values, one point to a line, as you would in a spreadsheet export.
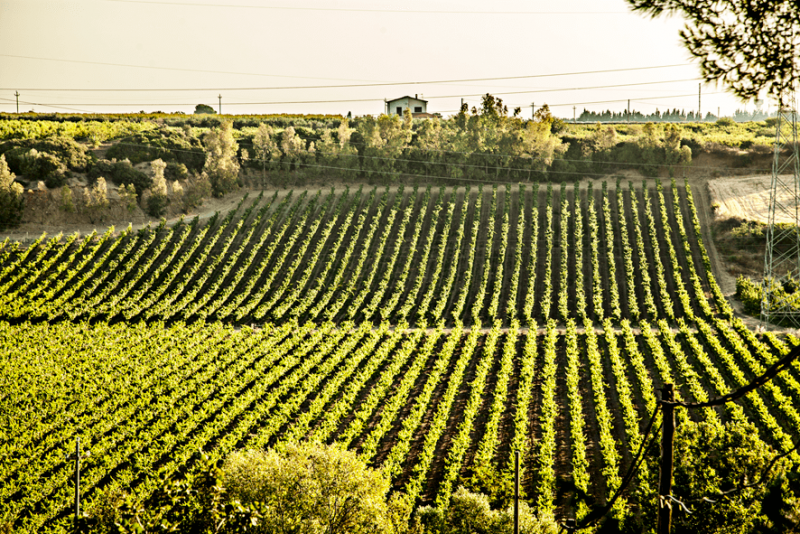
418	107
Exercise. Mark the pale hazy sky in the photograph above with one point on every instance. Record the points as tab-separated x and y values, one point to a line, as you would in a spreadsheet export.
215	46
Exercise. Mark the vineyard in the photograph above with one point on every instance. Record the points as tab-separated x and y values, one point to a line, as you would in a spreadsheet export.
434	330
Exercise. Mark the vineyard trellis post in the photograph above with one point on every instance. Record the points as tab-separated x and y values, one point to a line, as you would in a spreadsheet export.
516	492
77	481
667	459
782	254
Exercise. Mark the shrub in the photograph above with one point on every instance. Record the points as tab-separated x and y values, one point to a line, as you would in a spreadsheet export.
121	173
317	488
12	203
197	188
44	166
470	513
127	194
69	152
67	202
167	145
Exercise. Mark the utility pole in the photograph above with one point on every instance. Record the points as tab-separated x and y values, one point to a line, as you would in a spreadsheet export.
699	92
629	110
717	111
573	115
667	459
220	104
16	94
533	111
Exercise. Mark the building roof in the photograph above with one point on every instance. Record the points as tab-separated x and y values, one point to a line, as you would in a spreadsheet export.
407	96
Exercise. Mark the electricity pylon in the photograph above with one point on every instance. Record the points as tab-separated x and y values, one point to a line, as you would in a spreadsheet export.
780	301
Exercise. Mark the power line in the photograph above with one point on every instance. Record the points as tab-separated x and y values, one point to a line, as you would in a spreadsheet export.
380	99
375	84
205	71
48	105
354	10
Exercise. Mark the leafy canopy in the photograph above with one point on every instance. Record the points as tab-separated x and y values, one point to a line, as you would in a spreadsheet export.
748	45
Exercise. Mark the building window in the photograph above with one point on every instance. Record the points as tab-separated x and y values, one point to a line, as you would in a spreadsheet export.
399	110
418	109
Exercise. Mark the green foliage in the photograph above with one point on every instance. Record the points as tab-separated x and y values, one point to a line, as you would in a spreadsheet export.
170	145
122	173
750	294
307	488
12	203
196	503
127	194
67	202
709	459
44	166
751	47
156	205
221	165
66	150
470	513
201	109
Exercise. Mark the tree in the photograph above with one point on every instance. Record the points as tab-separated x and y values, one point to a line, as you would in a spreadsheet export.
96	198
308	488
749	45
265	149
710	459
292	145
158	200
127	193
67	203
221	166
12	202
203	109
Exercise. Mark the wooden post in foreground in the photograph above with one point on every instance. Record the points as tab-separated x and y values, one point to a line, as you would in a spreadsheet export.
667	460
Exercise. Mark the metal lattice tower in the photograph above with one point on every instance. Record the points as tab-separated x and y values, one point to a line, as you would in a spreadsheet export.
780	303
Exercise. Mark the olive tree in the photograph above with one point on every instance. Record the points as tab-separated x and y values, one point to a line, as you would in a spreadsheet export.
221	167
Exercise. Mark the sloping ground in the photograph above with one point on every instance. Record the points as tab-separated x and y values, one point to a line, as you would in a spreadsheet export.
748	199
609	294
424	255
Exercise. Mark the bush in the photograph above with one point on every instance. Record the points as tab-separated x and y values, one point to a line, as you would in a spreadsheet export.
322	488
44	166
121	173
167	145
69	152
469	513
157	205
12	203
307	488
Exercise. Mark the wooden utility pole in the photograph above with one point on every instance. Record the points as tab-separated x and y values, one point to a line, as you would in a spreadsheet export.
573	115
220	104
629	110
533	111
516	492
699	93
667	460
16	94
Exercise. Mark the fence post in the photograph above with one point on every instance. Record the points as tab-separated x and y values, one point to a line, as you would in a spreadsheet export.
77	481
667	442
516	492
